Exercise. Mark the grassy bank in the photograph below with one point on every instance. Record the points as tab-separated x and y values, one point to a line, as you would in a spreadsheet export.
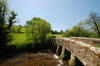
57	35
18	39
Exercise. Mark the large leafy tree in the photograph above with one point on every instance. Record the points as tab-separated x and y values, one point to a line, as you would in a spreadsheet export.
37	29
6	21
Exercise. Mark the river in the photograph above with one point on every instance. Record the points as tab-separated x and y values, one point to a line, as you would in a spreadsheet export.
35	59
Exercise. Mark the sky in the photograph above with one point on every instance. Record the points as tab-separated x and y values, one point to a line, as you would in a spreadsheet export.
61	14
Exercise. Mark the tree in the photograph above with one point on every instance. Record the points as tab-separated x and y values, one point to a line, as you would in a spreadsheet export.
55	32
37	29
93	17
61	32
4	30
94	23
77	31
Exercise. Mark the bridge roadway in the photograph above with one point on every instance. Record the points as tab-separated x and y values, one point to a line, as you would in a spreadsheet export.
86	53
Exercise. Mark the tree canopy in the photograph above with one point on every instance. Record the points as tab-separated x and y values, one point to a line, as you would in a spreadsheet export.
37	29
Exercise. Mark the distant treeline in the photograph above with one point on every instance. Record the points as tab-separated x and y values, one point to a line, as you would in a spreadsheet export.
87	28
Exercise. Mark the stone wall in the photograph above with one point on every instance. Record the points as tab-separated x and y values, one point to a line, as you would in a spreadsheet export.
87	54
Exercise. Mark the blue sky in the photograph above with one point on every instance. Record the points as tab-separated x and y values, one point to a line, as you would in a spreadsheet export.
61	14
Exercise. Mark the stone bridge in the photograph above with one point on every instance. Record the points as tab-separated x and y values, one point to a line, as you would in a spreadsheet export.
75	48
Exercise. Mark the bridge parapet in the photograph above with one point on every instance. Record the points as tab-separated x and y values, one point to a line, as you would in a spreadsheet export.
87	54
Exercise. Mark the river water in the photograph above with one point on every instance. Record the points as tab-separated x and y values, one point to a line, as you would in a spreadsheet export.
35	59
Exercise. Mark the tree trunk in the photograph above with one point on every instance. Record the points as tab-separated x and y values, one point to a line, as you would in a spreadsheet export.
96	26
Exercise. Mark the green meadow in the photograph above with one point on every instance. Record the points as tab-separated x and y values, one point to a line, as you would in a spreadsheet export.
18	39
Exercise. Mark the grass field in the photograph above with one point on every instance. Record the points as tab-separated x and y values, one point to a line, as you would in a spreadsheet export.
57	35
18	39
